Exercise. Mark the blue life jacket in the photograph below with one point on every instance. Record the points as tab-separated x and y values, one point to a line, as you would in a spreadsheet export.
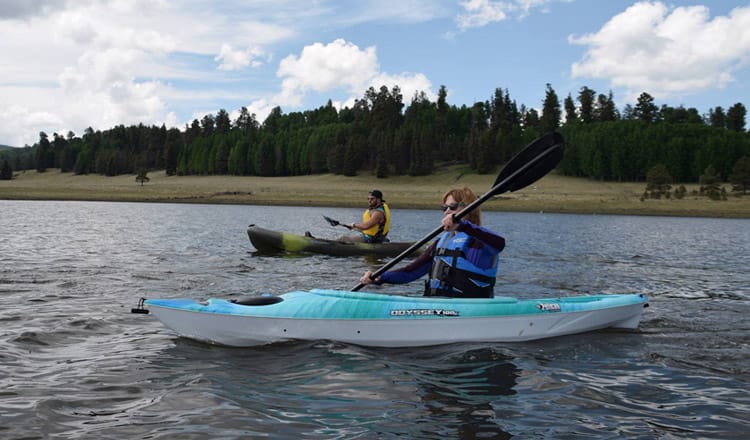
462	267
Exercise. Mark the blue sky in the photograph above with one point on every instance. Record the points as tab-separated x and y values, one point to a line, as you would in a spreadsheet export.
68	65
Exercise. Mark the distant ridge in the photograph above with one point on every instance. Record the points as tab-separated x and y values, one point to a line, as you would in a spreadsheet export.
5	147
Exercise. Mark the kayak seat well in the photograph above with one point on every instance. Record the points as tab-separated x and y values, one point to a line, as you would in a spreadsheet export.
263	300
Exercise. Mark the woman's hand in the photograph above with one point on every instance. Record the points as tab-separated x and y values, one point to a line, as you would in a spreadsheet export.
366	278
448	223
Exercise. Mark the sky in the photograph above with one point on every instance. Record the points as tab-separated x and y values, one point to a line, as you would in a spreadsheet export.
69	65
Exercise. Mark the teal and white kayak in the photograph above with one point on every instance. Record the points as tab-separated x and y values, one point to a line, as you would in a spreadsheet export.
372	319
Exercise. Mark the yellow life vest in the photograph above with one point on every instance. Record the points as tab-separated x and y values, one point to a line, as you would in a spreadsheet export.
381	230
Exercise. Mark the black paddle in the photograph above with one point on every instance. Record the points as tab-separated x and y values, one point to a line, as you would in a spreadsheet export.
536	160
333	222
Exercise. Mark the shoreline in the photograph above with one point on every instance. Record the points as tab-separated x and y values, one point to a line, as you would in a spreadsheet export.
551	194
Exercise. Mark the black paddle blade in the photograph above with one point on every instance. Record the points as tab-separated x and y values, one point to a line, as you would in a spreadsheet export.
550	146
331	221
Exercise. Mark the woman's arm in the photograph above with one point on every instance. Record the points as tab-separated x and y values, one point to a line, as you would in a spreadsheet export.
483	234
412	271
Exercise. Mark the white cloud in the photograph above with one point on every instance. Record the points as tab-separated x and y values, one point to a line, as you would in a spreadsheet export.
666	51
85	65
324	67
479	13
261	108
16	119
108	62
409	83
68	65
524	7
337	66
237	59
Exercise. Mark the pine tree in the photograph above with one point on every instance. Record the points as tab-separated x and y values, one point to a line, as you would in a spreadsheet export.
381	158
221	161
586	100
352	155
570	111
142	177
658	181
551	114
6	172
645	109
605	108
717	118
531	121
710	183
223	124
740	178
336	154
736	117
172	147
441	123
264	159
43	153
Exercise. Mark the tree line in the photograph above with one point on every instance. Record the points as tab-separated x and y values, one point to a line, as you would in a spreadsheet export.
382	135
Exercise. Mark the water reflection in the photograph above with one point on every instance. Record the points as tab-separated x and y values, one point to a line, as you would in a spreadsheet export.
461	390
331	390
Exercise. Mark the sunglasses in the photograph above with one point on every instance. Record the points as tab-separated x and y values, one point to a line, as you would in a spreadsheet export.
452	207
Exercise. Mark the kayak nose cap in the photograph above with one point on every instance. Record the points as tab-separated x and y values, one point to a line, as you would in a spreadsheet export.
139	308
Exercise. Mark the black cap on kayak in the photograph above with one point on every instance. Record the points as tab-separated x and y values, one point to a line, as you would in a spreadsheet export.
377	194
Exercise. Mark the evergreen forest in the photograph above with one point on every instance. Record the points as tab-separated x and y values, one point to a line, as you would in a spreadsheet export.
383	135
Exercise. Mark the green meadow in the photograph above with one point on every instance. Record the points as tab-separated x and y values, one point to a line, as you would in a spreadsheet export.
552	193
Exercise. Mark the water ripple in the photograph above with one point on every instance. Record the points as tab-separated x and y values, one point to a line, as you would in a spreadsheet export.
77	364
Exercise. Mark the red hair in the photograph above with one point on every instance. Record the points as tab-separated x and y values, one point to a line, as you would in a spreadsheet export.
465	196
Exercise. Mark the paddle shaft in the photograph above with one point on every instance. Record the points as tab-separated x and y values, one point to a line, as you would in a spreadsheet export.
333	222
495	190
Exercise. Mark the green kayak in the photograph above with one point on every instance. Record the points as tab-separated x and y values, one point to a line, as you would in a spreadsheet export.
267	240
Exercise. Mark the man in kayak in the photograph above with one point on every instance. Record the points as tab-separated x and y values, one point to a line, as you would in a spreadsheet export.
461	263
376	221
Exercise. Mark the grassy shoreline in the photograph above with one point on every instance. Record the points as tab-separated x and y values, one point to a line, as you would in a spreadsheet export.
553	193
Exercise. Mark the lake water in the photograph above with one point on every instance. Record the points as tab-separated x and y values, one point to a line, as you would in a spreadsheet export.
77	364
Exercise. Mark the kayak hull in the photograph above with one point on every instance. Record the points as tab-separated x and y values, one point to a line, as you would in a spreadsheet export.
377	320
274	241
